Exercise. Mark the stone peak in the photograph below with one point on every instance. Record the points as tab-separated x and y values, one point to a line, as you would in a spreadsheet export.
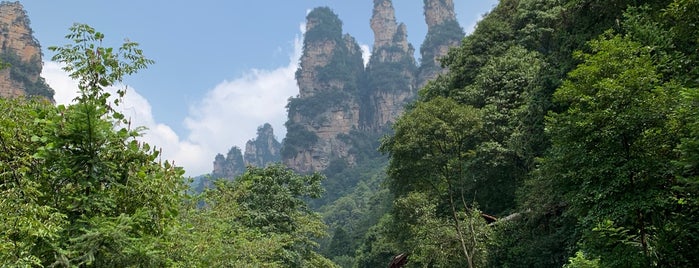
438	12
383	23
387	32
325	17
16	4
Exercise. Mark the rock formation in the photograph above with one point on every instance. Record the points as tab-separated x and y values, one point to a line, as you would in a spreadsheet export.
22	51
443	32
329	77
264	149
259	152
230	166
340	102
391	70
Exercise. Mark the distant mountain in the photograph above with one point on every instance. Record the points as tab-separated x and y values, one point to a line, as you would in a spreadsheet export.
22	52
229	166
263	150
443	33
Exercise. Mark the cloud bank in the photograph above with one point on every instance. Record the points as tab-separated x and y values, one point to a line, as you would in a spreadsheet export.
227	116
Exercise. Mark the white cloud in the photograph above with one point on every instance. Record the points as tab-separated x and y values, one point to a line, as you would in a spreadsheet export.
230	113
138	110
227	116
366	53
66	88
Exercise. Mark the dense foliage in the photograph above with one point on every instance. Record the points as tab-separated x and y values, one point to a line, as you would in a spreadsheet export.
260	219
80	190
78	187
565	134
573	122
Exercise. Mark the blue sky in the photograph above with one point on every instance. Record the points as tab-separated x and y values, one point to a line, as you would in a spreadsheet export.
222	67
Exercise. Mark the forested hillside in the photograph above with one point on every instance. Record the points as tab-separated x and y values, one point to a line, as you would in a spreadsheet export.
559	134
572	122
80	190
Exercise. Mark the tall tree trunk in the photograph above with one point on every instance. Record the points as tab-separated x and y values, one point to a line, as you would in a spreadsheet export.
469	258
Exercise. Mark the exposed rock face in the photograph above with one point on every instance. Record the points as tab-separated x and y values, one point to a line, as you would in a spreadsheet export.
260	152
383	23
439	11
22	51
340	102
443	32
263	150
329	76
391	69
330	61
230	166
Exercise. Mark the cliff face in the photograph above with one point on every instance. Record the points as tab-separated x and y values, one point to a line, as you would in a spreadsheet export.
229	166
259	152
264	149
443	32
329	76
340	102
21	50
391	70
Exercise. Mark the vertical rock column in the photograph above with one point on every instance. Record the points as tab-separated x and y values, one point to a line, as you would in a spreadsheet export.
443	32
328	77
391	70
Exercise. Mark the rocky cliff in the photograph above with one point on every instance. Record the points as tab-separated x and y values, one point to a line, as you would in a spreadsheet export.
329	77
259	152
340	101
390	74
443	32
264	149
229	166
22	52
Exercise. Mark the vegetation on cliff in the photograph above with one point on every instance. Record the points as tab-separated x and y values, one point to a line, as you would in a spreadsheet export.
21	54
564	134
578	142
27	74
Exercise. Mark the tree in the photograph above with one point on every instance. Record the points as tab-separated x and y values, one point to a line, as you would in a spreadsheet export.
272	201
505	90
100	196
434	240
29	227
213	235
611	146
429	151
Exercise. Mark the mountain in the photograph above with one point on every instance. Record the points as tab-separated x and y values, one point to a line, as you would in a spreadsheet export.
390	74
22	52
328	105
443	32
263	150
260	152
341	101
229	166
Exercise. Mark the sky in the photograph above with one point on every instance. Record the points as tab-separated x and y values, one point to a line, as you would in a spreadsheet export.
222	67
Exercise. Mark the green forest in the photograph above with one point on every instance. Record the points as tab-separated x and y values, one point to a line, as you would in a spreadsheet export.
564	134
